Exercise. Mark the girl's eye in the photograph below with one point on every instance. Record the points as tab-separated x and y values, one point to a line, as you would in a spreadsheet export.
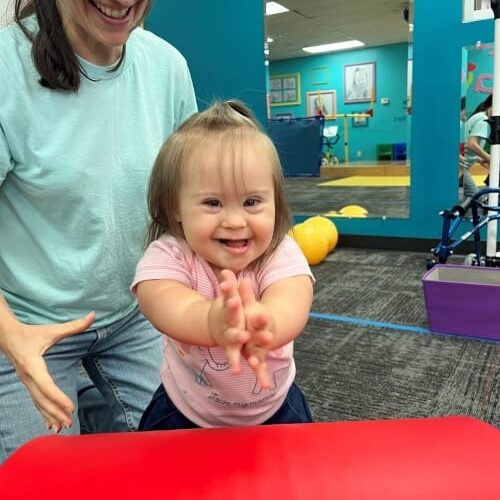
212	203
251	202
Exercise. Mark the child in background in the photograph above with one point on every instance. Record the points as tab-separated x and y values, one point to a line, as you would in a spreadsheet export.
476	134
222	279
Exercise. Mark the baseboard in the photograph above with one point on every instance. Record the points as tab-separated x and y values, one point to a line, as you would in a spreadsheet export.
401	244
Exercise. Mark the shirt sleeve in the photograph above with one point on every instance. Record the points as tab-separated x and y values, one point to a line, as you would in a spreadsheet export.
480	128
6	161
187	103
286	262
164	259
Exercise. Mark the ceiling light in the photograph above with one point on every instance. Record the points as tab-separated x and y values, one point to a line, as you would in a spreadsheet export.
331	47
275	8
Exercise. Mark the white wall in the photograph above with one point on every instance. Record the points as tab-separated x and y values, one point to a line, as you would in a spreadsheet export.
6	11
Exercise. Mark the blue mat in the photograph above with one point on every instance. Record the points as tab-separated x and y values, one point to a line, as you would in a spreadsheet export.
299	144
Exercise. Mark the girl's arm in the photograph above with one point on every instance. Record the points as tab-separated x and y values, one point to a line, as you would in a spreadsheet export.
176	310
288	303
275	320
282	312
183	314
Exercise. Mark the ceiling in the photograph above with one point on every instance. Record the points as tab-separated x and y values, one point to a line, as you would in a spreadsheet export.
314	22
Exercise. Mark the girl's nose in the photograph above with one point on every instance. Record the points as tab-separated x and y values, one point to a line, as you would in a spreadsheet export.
234	218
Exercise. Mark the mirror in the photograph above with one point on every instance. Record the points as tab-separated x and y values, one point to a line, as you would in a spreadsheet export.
476	86
364	95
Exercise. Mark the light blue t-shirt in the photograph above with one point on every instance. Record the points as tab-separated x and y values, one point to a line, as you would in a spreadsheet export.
476	126
74	170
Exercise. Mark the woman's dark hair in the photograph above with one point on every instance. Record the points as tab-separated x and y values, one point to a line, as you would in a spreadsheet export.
53	56
484	105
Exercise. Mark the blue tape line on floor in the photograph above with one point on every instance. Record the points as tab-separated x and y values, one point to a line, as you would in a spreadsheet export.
367	322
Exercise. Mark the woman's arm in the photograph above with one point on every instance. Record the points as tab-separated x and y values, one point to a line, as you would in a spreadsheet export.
473	145
24	346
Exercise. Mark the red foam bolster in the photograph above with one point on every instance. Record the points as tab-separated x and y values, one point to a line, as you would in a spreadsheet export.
431	458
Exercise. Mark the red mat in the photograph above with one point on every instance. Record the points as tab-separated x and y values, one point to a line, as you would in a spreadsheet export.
431	459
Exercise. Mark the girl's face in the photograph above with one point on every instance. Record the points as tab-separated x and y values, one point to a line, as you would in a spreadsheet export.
98	30
227	207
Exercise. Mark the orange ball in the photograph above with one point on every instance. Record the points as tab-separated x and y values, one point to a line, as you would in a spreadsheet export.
312	242
327	227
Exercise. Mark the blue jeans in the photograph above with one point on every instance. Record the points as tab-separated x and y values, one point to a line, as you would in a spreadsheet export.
123	362
162	414
470	187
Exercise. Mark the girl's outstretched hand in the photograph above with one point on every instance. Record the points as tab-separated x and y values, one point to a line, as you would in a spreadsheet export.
25	346
232	334
258	323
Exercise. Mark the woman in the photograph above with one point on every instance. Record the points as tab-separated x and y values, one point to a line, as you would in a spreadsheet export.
87	100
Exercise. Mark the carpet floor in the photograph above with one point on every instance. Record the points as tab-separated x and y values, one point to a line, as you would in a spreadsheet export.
354	369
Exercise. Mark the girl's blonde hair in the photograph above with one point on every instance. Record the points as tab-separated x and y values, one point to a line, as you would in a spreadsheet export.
230	123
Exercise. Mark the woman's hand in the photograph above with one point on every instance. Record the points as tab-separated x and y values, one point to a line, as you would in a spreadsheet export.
24	345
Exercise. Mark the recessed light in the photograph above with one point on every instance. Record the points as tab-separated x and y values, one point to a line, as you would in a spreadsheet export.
331	47
275	8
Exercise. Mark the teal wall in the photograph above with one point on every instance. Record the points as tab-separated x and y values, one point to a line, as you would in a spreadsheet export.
439	36
388	124
223	42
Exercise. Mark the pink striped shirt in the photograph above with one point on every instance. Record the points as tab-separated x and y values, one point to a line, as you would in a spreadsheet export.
197	378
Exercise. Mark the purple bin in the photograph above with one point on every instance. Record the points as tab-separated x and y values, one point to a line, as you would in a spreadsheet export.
463	300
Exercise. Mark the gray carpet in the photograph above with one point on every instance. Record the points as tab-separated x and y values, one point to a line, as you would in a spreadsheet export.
304	196
351	372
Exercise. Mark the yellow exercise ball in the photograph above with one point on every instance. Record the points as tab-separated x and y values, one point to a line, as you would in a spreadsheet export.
312	242
327	227
353	211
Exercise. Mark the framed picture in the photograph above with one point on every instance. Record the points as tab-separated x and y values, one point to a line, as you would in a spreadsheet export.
284	90
360	121
322	103
476	10
359	82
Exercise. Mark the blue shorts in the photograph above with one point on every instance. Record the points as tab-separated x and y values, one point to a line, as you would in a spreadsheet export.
162	414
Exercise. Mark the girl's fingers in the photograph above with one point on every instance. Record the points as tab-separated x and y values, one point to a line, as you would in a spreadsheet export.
262	338
233	358
232	312
260	369
235	338
246	293
260	322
